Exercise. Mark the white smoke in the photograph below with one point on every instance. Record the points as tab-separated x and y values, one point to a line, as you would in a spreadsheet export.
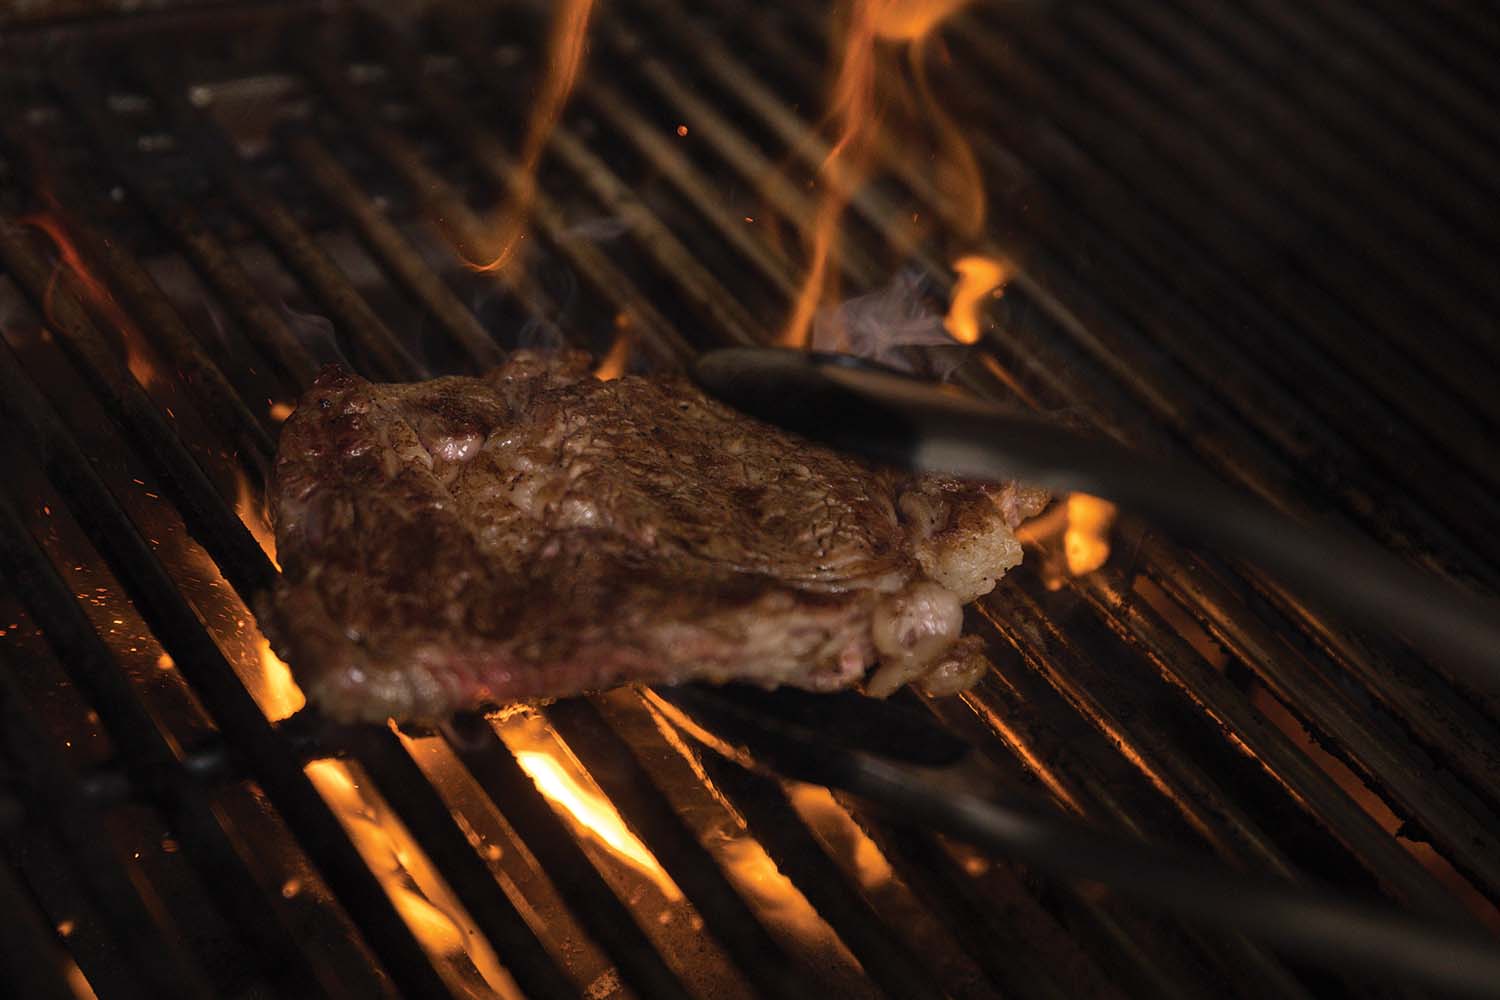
895	326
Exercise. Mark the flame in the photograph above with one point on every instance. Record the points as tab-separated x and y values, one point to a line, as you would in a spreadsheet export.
613	364
274	690
867	85
565	49
576	795
414	887
833	822
1073	537
96	291
776	899
253	514
977	278
1086	542
565	783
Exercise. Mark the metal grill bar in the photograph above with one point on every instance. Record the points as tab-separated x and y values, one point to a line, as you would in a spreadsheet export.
391	249
208	254
1361	298
153	953
1265	399
32	962
1269	408
403	785
1178	393
711	299
351	313
277	768
1084	673
440	199
152	766
490	155
775	823
612	764
210	390
604	917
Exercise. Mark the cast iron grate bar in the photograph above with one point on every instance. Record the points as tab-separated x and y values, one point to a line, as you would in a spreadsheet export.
153	952
150	766
1327	677
277	768
30	958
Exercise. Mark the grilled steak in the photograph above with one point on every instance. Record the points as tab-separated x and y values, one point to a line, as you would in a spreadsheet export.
536	533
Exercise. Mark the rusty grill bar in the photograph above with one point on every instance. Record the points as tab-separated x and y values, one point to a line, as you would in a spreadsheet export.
1230	247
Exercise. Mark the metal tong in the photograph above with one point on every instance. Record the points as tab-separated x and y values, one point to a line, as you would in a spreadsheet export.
856	406
906	762
924	774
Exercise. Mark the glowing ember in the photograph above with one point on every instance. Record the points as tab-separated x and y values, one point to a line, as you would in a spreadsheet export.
280	411
1086	542
977	278
565	48
97	293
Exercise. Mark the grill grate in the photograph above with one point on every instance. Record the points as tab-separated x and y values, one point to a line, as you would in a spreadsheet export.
1252	234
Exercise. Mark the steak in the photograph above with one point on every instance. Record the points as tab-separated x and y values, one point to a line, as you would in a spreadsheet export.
535	533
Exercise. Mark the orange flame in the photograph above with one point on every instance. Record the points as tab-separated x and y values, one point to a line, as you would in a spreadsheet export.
253	514
863	88
591	810
425	903
565	49
977	277
1086	542
96	291
1081	524
613	364
274	690
564	783
911	20
833	822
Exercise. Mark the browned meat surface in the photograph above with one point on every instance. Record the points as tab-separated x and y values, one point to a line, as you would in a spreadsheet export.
537	533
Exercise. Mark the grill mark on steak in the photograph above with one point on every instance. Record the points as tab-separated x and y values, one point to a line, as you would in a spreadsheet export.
535	533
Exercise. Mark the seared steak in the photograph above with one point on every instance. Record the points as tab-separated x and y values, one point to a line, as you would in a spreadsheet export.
536	533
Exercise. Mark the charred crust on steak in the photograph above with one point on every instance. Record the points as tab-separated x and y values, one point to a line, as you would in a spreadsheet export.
534	533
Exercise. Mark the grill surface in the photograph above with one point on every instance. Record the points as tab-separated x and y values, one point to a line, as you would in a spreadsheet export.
1251	234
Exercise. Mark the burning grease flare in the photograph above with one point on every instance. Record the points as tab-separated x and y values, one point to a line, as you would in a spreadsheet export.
869	85
977	277
565	49
1074	535
94	291
613	364
1086	542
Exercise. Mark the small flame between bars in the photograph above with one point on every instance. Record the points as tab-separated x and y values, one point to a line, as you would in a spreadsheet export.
70	261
